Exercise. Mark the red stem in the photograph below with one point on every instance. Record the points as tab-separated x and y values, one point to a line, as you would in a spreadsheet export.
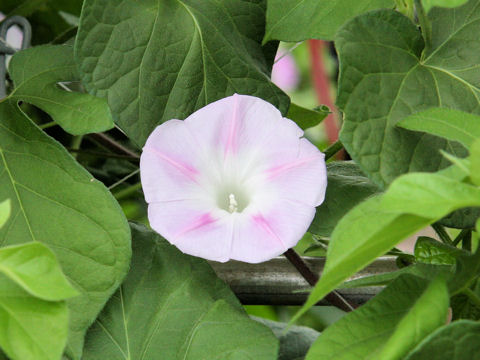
322	88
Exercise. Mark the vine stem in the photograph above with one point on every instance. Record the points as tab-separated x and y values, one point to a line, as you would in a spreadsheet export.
114	145
333	149
334	297
442	234
125	193
472	296
322	88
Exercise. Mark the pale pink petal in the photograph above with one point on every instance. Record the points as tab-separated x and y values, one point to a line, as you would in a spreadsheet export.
304	176
285	72
193	228
244	126
170	167
261	236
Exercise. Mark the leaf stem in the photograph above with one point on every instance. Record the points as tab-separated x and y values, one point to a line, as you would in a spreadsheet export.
467	242
334	297
425	24
127	192
333	149
47	125
442	234
474	298
76	143
460	236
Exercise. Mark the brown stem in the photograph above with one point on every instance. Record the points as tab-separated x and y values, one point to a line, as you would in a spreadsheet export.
334	297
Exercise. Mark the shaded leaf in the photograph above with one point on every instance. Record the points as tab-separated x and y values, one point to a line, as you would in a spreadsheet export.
463	307
389	325
295	342
36	73
159	61
56	202
297	20
347	186
306	118
383	58
44	15
174	305
457	341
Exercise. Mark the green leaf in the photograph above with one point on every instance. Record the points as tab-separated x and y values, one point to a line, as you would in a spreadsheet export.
56	202
428	4
31	328
389	325
431	251
306	118
347	186
174	305
429	195
4	212
33	319
475	162
386	74
459	340
297	20
295	342
158	61
34	267
447	123
424	271
373	227
36	73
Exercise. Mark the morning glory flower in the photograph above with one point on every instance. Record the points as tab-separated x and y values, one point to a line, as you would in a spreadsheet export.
235	180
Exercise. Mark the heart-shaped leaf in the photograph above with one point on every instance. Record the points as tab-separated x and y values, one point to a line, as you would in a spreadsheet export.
37	73
173	306
157	61
382	55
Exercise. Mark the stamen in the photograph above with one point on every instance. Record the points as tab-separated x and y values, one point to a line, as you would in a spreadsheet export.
233	206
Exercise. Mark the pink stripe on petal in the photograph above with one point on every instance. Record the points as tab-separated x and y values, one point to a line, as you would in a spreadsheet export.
185	169
277	170
263	223
199	222
231	144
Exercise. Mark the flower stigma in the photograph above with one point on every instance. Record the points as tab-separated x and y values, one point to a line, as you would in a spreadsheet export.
233	206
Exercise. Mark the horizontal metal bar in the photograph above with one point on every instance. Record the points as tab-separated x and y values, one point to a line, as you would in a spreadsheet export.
277	282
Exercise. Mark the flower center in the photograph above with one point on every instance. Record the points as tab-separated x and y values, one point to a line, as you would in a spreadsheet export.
232	199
